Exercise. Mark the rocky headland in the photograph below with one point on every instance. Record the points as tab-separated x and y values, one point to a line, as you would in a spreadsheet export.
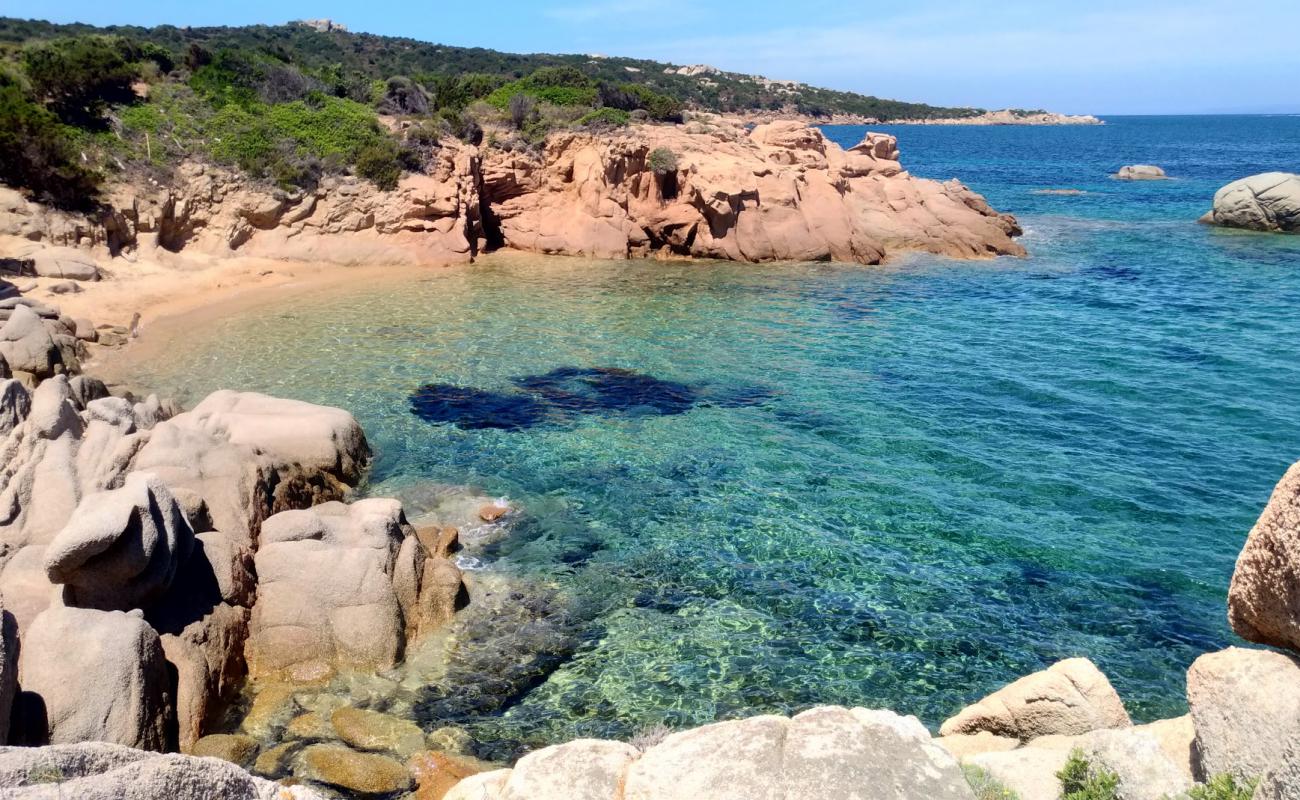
1008	117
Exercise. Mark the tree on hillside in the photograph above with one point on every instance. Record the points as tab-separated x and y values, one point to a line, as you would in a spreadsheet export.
79	78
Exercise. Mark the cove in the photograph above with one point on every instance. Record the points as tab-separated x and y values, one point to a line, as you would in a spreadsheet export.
952	474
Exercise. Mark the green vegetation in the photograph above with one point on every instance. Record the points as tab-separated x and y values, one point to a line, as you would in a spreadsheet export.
1081	780
289	104
1223	787
662	161
605	118
985	786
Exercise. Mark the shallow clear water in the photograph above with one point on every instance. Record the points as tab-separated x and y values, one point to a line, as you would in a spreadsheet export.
898	486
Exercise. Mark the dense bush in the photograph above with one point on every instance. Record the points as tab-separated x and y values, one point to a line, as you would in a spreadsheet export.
605	118
37	151
1081	780
662	161
379	163
79	78
559	86
522	109
401	95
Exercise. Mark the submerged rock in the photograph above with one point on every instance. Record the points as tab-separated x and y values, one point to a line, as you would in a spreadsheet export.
234	748
1268	202
371	730
363	773
1070	697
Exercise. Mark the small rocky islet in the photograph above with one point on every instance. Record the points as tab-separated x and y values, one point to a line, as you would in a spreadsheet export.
196	604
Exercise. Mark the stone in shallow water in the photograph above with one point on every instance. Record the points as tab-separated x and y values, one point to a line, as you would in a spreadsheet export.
364	773
370	730
234	748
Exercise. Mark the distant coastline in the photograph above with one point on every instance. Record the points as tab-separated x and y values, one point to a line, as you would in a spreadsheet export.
1003	117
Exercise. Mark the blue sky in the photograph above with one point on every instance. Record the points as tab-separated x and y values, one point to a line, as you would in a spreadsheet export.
1095	56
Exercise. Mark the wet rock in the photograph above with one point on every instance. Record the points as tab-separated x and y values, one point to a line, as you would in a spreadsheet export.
436	773
273	761
234	748
310	726
1070	697
363	773
370	730
273	706
90	675
1246	707
492	513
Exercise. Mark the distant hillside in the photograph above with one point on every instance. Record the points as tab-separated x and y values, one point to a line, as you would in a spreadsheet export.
363	57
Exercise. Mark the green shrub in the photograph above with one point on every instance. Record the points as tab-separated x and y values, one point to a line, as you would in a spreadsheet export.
559	86
605	118
1223	787
1081	780
38	152
379	163
662	161
985	786
80	77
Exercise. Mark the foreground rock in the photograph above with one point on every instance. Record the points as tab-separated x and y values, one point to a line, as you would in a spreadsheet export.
1268	202
90	675
1283	781
1070	697
1264	598
1140	172
98	771
828	753
1246	709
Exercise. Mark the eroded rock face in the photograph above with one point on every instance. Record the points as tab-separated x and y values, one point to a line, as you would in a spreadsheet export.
1283	780
1267	202
122	547
89	675
829	753
1246	707
1068	698
1264	598
782	192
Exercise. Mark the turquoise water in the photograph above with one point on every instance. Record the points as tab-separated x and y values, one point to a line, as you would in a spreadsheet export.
756	488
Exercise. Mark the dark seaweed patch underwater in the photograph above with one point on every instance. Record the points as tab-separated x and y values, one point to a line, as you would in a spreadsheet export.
564	394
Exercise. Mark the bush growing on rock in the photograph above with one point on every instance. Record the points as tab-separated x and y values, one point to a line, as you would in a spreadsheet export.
1223	787
605	118
522	109
379	163
1081	780
662	161
985	786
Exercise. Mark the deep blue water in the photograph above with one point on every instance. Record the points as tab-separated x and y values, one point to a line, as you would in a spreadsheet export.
754	488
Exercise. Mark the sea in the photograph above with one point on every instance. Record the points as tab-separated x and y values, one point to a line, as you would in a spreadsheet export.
760	488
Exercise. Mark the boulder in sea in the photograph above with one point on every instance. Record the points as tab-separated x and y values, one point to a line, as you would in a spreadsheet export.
1268	202
1068	698
1264	597
371	730
235	748
1246	708
1140	172
92	676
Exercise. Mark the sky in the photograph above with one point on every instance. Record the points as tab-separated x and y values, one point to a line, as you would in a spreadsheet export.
1075	56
